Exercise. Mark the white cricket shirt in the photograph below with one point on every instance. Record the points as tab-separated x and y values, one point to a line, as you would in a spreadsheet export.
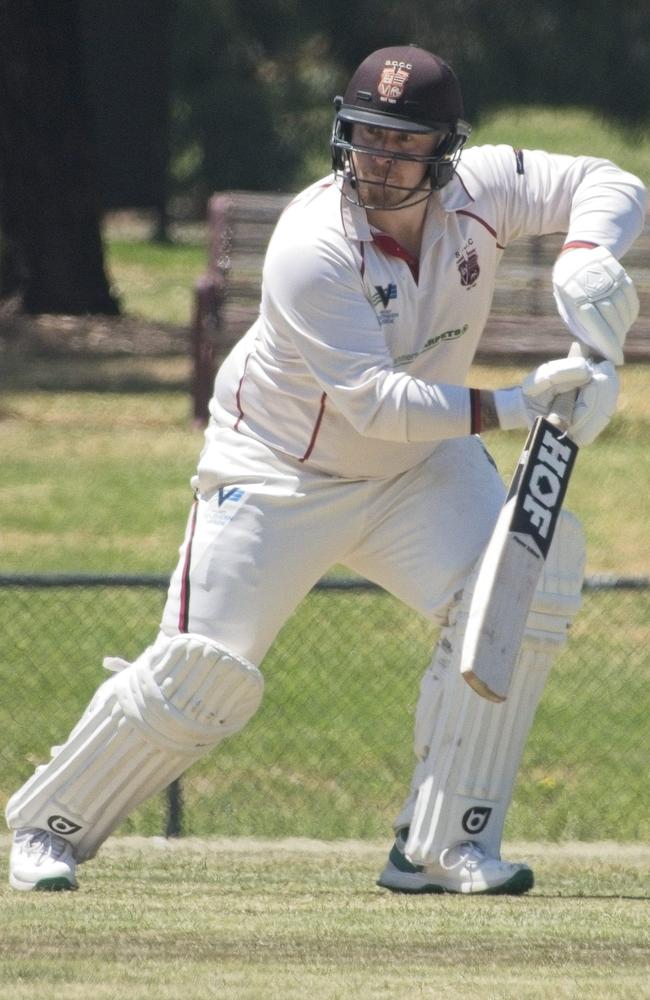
356	364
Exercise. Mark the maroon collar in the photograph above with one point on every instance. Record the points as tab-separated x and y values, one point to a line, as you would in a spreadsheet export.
392	248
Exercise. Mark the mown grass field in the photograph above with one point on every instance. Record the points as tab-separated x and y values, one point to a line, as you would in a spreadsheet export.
251	920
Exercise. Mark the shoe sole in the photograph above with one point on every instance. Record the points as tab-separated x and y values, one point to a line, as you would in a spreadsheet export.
520	883
58	883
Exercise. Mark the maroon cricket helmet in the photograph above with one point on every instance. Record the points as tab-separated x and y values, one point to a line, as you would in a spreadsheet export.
406	88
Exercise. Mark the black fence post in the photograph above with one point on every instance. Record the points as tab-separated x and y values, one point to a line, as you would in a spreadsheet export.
174	825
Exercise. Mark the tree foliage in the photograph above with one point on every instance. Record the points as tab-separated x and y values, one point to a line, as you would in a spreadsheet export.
249	87
253	83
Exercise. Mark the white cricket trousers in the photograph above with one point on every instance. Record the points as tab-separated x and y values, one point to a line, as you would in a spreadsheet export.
263	530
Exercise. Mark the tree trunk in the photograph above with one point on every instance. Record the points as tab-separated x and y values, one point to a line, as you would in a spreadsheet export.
49	206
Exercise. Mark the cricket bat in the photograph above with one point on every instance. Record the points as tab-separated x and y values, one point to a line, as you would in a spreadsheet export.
512	564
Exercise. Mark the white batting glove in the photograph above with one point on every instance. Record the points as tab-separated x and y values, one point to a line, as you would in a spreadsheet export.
596	298
597	393
595	405
521	405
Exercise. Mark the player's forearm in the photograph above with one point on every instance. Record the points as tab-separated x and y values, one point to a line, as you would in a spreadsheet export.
422	411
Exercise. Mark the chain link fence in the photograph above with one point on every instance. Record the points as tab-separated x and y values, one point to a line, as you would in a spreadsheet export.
329	753
97	451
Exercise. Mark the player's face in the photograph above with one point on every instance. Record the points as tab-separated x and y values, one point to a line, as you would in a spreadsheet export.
386	182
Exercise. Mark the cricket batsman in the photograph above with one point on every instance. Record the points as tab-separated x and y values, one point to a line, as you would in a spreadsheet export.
342	418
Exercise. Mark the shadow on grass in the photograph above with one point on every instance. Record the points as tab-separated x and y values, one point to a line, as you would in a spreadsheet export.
92	354
93	376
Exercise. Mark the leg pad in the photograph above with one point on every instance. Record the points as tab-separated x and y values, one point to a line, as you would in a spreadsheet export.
142	729
469	749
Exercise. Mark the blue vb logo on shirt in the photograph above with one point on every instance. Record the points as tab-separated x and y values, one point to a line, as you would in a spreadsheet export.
224	505
384	295
234	493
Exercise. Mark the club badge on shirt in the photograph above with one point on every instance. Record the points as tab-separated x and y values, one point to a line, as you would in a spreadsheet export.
468	266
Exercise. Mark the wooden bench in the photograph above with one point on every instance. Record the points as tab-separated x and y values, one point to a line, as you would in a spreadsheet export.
523	323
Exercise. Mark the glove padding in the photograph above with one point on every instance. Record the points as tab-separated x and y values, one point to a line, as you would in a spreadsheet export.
595	405
596	298
597	394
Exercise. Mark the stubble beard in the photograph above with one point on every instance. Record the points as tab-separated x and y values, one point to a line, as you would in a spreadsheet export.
379	191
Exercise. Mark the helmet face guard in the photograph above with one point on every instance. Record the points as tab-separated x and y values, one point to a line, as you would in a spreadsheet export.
439	165
405	89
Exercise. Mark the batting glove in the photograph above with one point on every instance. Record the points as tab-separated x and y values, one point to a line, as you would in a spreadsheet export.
596	388
595	405
596	298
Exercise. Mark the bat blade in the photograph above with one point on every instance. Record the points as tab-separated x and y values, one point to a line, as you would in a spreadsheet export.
513	560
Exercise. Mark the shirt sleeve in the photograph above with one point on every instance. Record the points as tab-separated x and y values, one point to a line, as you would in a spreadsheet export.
591	200
313	297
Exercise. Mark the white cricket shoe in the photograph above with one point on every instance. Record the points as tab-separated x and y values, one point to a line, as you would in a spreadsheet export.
41	860
465	868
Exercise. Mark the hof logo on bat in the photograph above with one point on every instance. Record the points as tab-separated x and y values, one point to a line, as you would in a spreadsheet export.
542	484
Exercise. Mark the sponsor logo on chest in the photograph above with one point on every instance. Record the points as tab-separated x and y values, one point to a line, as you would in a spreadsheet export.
439	338
381	300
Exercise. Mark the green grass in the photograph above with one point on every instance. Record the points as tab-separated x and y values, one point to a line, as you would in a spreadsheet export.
95	482
254	920
566	130
155	281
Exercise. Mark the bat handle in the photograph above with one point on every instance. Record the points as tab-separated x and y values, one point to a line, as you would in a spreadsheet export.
560	415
